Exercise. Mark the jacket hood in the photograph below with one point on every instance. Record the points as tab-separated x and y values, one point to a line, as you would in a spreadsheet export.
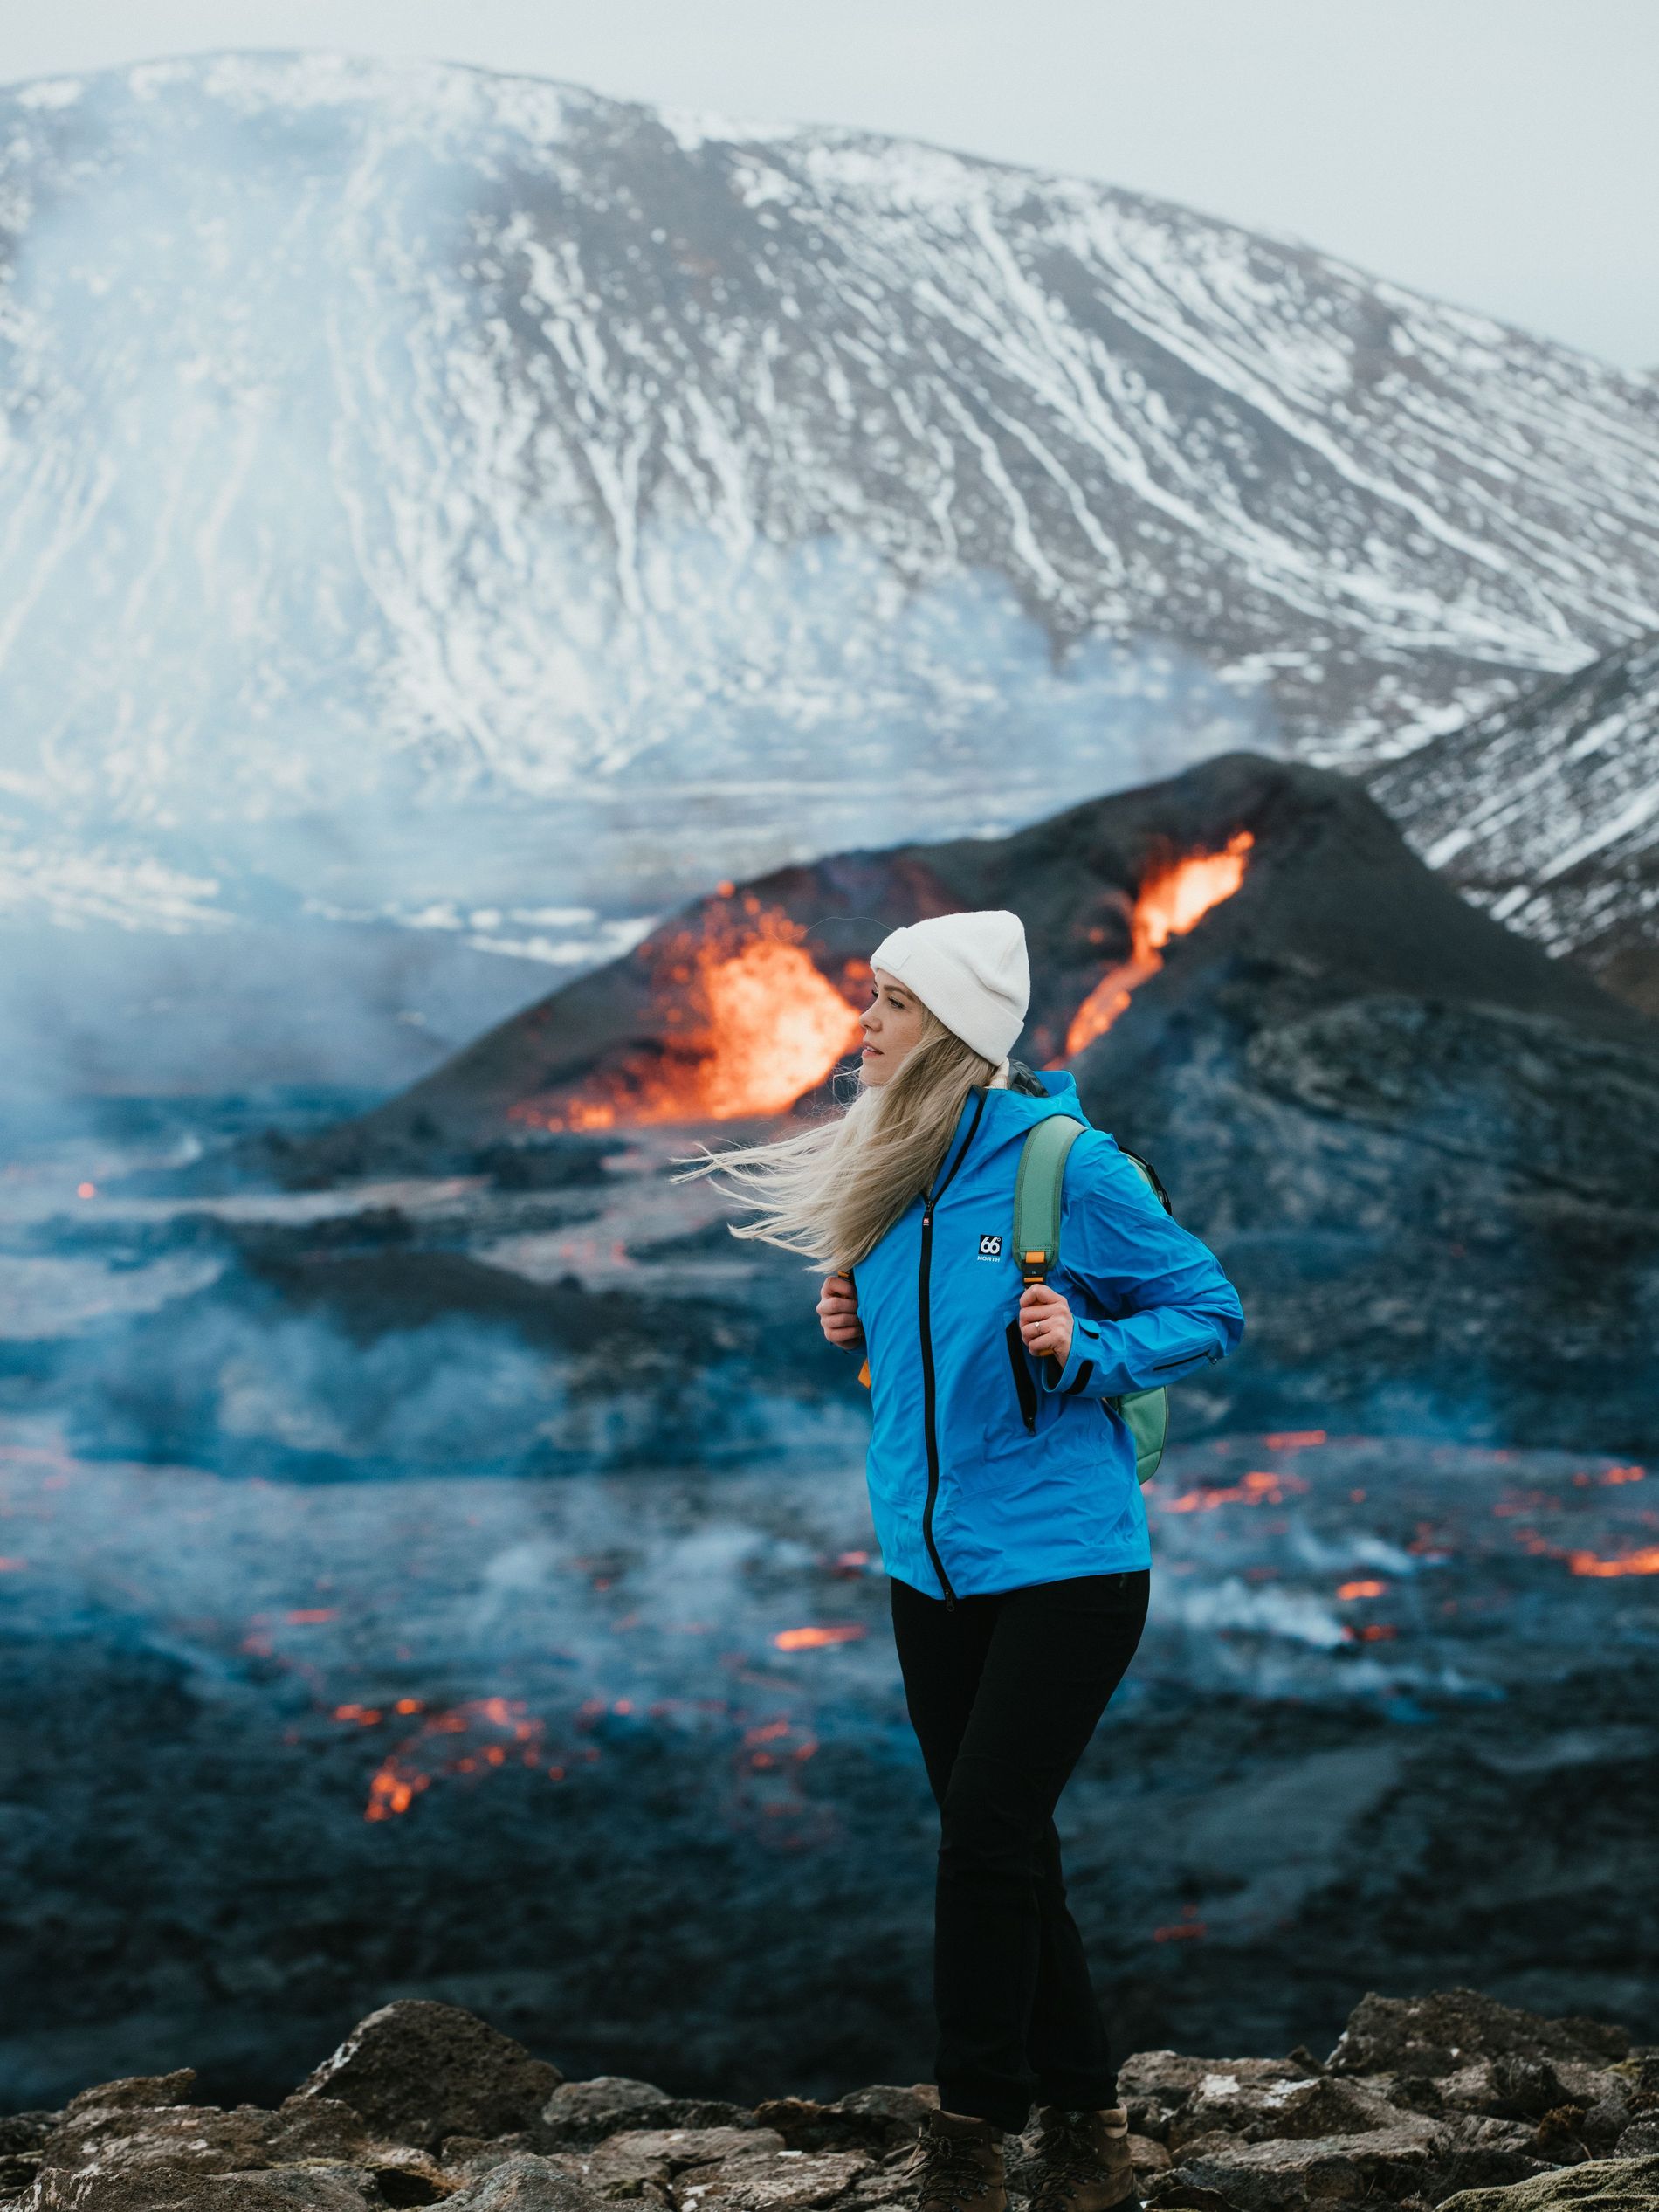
1006	1115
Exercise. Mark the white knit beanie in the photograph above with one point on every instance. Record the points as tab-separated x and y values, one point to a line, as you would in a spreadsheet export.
969	969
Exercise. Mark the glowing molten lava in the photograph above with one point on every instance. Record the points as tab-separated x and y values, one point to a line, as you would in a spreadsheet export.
1172	899
474	1738
1260	1487
808	1639
1641	1562
777	1029
1189	1929
749	1024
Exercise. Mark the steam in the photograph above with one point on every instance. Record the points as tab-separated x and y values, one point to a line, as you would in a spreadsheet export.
234	1379
755	710
314	666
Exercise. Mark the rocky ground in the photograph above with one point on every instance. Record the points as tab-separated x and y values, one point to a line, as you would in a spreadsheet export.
1448	2101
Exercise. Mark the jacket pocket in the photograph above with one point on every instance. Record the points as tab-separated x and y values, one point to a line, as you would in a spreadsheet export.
1187	1359
1025	1382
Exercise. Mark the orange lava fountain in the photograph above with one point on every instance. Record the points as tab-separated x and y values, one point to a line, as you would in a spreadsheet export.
1172	899
751	1023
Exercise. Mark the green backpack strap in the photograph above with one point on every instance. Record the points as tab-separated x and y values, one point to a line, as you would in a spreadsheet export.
1038	1186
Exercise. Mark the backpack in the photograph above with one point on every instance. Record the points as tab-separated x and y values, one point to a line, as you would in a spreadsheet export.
1037	1186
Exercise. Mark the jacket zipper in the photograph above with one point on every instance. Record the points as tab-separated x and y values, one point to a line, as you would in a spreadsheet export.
930	1425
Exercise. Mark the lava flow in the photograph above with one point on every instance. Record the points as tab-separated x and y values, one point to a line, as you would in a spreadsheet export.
1645	1561
1174	898
1260	1487
476	1737
750	1024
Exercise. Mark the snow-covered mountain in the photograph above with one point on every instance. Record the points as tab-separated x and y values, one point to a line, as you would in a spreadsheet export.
387	400
1547	814
431	491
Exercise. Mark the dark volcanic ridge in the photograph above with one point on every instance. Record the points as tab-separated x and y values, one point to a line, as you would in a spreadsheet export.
1333	909
1427	1152
1449	2101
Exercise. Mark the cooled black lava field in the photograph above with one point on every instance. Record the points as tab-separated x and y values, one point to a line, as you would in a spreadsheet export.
620	1759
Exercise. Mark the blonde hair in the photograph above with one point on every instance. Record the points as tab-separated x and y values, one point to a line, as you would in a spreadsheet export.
834	1190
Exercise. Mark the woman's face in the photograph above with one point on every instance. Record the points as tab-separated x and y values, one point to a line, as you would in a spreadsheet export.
892	1024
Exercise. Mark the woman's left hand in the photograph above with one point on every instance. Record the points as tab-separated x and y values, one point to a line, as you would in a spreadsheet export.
1045	1322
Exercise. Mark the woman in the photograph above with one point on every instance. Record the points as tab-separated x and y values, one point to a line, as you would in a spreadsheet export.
1009	1517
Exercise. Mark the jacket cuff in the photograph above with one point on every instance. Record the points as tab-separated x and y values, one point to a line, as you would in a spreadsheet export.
1083	1361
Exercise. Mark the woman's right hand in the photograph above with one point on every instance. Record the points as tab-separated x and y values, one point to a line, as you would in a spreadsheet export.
838	1312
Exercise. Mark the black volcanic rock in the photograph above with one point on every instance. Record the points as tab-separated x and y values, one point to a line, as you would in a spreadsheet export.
1207	2135
524	2183
139	2092
1437	2035
878	2119
1428	1153
1389	2166
1629	2185
314	2188
586	2112
417	2071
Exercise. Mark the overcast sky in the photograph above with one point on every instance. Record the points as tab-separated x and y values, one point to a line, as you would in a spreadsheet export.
1501	153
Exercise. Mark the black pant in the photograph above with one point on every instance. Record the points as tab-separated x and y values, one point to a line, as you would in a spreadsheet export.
1004	1693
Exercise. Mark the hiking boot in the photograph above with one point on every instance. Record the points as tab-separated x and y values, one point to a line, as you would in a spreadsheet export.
957	2164
1081	2162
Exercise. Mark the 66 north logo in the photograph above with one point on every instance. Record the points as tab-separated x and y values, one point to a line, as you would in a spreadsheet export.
990	1248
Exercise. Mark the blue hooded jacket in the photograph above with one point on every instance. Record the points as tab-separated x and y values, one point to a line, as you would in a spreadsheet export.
965	1496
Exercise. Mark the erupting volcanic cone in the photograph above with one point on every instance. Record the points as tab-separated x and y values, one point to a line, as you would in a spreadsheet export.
1427	1152
1145	908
